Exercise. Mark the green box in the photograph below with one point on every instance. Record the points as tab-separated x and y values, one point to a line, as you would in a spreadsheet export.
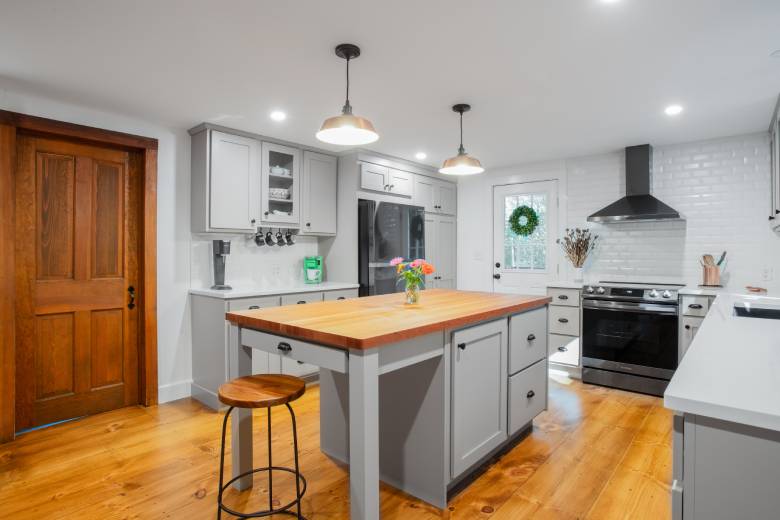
312	269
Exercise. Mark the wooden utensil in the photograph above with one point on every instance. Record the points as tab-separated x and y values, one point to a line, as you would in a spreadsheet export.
709	260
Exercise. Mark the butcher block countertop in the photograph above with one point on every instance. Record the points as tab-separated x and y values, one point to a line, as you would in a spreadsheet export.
373	321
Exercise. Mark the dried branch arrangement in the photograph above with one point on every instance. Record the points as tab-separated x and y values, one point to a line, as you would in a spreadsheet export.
578	244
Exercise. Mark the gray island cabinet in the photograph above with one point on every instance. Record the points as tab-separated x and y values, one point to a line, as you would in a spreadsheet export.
416	396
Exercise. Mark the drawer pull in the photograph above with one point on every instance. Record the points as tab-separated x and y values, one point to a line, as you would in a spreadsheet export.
563	297
462	346
563	320
253	307
301	302
341	298
531	337
284	347
563	349
695	306
530	394
299	362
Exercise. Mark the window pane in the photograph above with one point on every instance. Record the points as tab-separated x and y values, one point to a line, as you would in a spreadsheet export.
526	252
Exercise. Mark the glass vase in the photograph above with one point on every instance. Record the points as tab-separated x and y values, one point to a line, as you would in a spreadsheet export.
579	274
412	294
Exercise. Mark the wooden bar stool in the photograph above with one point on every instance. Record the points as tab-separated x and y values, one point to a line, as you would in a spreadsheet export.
262	391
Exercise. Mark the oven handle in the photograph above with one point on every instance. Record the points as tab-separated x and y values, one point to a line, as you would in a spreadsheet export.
629	306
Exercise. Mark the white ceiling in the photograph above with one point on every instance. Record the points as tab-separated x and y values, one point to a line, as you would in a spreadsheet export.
546	78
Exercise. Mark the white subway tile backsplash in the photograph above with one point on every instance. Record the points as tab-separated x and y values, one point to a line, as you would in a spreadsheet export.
721	189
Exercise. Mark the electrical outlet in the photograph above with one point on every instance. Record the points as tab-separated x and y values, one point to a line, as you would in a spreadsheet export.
768	274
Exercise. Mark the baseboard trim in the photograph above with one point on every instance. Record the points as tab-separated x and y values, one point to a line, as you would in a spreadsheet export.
174	391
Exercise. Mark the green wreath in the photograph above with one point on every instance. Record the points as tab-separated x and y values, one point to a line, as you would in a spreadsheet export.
523	220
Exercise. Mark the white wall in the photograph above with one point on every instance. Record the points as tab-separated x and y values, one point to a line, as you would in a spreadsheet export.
720	186
173	224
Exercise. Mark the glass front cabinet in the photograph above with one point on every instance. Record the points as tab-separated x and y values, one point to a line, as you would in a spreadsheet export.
281	185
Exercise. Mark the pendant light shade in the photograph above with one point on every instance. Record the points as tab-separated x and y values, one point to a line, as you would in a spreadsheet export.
463	163
347	129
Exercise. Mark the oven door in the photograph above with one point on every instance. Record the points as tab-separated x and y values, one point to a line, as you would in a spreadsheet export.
630	337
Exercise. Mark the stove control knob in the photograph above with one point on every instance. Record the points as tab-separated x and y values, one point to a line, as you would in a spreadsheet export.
601	290
653	294
590	289
667	294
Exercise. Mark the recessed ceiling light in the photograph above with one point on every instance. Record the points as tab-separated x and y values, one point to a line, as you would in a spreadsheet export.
420	156
673	110
278	115
609	1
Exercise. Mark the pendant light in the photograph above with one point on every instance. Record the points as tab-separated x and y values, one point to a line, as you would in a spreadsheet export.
463	163
347	129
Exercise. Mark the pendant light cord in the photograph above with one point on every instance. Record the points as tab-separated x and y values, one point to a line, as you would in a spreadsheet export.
461	150
347	107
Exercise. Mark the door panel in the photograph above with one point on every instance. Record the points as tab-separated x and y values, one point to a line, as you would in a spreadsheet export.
525	264
76	256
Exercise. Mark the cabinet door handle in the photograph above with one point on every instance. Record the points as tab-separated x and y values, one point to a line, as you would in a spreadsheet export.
496	276
695	306
563	297
687	327
301	302
131	293
266	213
462	346
530	394
284	347
563	349
299	362
563	320
253	221
531	337
253	307
308	224
341	298
392	186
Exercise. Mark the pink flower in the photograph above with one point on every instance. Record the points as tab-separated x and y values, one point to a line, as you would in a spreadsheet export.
397	260
417	263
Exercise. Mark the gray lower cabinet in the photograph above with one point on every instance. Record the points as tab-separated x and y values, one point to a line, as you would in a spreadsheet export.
527	339
724	470
693	310
211	342
479	385
527	395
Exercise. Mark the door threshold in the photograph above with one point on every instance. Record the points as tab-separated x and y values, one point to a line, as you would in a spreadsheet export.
41	427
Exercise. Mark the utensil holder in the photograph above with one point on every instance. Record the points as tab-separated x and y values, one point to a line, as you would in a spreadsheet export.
711	275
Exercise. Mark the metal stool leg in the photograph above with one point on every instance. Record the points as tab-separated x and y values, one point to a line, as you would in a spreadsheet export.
222	462
270	465
297	469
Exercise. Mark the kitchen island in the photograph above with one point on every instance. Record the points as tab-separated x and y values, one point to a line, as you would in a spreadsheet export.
417	395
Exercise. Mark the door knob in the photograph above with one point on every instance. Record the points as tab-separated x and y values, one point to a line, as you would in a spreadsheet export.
462	346
131	293
530	394
531	337
497	276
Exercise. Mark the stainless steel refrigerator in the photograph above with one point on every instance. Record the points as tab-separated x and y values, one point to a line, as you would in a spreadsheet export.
387	230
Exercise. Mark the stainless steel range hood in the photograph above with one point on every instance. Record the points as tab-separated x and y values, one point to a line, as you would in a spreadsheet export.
638	205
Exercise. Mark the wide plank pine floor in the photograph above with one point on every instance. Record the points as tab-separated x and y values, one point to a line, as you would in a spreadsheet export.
597	454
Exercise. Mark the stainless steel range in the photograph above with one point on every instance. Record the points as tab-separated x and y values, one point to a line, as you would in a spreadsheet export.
629	335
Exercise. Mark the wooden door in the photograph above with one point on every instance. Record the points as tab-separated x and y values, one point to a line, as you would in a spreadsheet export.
77	242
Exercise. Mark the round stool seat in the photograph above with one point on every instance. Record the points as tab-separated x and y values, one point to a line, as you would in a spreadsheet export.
261	391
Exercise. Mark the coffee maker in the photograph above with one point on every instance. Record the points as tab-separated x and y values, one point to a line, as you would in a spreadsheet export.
221	249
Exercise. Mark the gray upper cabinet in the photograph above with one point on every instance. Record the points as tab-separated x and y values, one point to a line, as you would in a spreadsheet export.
319	194
479	393
374	177
225	182
435	195
401	183
281	185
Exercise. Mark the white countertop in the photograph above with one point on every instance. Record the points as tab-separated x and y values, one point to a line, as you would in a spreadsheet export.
246	291
732	369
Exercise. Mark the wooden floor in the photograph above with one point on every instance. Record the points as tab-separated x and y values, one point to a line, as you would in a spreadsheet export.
597	453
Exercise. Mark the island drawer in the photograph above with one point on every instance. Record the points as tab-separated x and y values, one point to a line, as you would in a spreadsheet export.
342	294
243	304
564	320
568	297
527	338
527	395
293	349
695	305
301	298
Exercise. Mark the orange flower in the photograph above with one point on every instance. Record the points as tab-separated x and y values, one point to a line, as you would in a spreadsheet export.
428	268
